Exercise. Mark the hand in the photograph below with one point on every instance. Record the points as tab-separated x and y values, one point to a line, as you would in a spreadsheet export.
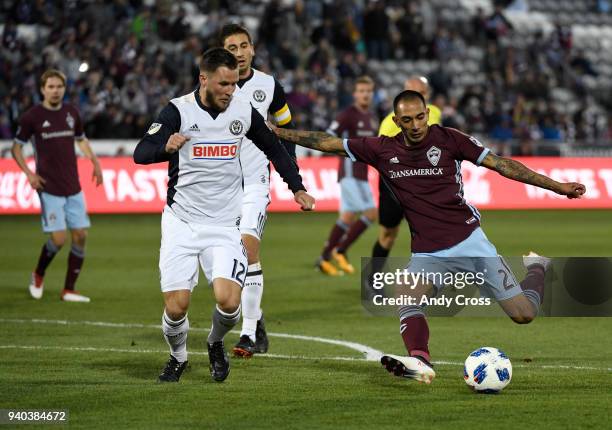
175	142
305	200
97	174
573	190
36	181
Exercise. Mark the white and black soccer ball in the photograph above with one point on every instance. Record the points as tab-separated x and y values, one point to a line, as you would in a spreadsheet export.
487	370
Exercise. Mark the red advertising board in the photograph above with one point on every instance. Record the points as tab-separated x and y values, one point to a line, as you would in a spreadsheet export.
133	188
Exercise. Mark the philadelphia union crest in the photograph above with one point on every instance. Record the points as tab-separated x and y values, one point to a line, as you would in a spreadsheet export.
433	155
259	96
236	127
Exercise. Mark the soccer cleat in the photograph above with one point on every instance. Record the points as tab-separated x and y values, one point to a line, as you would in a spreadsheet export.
534	259
261	337
219	361
327	268
36	286
244	348
74	296
343	263
173	370
409	367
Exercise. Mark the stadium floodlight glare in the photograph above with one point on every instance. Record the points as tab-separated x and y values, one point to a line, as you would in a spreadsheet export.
83	67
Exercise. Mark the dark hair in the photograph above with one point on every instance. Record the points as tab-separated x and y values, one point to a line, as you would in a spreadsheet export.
408	95
230	29
217	57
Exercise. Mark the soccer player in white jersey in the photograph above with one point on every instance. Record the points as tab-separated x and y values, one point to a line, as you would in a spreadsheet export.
267	96
200	135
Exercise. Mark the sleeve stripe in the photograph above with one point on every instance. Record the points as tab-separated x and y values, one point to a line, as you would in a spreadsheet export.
348	151
19	141
483	154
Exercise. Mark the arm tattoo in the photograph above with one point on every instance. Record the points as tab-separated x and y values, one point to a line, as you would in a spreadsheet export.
313	139
512	169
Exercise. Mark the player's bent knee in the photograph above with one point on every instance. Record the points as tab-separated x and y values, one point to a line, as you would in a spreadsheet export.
523	319
79	237
229	307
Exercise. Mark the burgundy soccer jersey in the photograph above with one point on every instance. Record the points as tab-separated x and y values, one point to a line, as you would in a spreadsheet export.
353	123
426	179
53	133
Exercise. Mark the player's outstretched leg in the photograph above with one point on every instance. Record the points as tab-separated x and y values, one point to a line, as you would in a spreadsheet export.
48	251
415	334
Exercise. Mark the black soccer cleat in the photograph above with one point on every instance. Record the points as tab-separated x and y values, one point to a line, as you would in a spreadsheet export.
261	337
173	370
219	361
244	348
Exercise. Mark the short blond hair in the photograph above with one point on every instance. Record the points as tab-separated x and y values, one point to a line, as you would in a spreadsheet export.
364	80
52	73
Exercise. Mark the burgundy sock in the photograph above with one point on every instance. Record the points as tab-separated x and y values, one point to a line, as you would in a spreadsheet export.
354	232
415	333
533	285
75	262
335	235
46	256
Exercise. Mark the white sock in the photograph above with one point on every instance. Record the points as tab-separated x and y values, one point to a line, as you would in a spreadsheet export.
251	300
175	333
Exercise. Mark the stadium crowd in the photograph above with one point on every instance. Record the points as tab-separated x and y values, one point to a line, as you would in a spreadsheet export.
125	59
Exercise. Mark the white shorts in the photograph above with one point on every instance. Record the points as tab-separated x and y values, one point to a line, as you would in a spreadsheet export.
218	250
255	203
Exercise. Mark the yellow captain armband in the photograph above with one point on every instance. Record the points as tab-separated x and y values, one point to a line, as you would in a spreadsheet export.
282	116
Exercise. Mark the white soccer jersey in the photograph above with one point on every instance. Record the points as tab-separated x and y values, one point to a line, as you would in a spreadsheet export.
208	186
262	92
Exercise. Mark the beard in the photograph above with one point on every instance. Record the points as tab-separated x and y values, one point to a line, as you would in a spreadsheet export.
210	100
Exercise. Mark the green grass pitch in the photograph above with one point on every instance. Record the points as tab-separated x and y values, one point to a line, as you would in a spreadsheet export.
105	372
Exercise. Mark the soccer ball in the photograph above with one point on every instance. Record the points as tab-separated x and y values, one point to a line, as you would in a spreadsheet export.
487	370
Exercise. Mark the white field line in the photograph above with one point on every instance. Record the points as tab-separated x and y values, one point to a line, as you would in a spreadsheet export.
370	353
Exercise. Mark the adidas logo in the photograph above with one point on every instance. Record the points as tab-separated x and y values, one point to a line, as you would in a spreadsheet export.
194	128
46	124
394	160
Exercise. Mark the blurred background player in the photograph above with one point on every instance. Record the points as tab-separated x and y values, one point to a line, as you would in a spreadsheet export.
267	96
53	127
390	213
204	201
355	194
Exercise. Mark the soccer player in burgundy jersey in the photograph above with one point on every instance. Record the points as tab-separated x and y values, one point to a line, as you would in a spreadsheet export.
53	127
355	194
422	165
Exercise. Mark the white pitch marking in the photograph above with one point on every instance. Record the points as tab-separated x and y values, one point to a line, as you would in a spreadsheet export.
279	356
370	354
159	351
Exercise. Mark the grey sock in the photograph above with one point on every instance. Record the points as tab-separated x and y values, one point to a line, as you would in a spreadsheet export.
222	323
